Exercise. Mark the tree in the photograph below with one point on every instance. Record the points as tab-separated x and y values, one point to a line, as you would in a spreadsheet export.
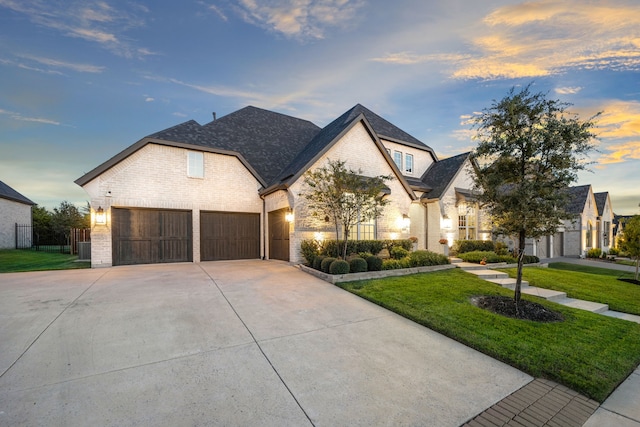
630	242
67	216
40	217
344	197
529	152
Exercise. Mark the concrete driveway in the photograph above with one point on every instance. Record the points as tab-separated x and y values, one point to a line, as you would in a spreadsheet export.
225	343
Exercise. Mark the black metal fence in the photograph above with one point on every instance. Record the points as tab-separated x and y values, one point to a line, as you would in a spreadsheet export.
47	240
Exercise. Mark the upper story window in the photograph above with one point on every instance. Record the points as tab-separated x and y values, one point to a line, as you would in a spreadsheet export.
408	163
397	158
195	164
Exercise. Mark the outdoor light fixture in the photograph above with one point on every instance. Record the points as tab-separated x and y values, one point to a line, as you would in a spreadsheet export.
406	222
101	217
446	221
288	216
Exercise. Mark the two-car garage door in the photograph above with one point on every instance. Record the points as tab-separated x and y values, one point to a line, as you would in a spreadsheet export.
148	236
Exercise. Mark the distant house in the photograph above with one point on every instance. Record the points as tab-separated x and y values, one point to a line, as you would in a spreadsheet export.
591	227
14	209
618	228
231	189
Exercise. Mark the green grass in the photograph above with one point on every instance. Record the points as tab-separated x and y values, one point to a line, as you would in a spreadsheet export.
26	260
587	352
587	283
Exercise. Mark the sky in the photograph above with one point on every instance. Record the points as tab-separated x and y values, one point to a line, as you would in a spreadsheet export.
82	80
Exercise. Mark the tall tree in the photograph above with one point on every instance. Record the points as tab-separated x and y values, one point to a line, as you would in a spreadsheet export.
344	197
67	216
631	240
529	152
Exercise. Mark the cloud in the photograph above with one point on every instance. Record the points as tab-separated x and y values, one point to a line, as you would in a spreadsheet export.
301	19
20	117
567	90
81	68
94	21
149	99
543	38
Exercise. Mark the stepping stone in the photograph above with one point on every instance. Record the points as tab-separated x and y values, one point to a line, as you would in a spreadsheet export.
623	316
594	307
488	274
508	282
547	294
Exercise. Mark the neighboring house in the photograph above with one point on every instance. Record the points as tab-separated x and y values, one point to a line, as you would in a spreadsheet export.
618	228
591	227
14	209
231	189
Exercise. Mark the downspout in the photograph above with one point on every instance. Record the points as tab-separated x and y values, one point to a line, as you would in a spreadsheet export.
264	228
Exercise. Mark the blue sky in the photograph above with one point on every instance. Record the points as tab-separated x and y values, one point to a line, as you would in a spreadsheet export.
82	80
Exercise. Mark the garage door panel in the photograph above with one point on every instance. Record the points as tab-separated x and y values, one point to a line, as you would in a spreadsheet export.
229	235
148	236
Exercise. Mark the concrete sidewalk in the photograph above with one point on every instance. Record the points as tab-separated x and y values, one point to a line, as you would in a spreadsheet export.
226	343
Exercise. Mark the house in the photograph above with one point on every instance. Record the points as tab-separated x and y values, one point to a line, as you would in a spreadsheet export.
591	226
14	209
618	228
231	189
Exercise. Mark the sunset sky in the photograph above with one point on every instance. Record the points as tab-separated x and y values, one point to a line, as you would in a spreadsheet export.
82	80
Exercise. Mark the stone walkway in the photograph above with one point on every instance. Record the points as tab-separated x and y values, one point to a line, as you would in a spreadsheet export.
537	404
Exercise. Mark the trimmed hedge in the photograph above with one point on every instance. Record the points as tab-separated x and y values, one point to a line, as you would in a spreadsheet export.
488	256
357	265
374	263
464	246
317	262
423	258
398	252
339	266
326	263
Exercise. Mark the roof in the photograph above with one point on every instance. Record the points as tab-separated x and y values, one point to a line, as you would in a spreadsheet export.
9	193
601	201
577	198
441	173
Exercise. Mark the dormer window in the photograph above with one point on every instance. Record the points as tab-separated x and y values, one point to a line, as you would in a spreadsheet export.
397	159
408	163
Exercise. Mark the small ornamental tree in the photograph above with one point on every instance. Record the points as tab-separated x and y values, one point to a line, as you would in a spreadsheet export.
529	152
630	242
343	197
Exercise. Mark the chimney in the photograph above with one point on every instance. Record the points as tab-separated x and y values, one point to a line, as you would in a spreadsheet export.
214	116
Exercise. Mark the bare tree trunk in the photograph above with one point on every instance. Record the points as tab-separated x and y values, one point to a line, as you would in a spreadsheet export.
518	290
637	263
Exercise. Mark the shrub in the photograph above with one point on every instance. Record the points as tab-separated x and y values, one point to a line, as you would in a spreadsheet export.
488	256
406	244
613	251
594	253
398	252
392	264
334	249
374	263
425	258
339	266
501	248
357	265
326	263
317	262
310	250
530	259
463	246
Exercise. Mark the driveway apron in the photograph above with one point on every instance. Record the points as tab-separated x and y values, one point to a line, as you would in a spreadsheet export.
226	343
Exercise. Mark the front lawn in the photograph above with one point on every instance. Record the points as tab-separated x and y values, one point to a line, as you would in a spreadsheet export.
586	283
587	352
25	260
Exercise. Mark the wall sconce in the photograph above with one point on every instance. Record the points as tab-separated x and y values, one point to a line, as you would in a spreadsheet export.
289	216
318	236
446	222
406	221
101	216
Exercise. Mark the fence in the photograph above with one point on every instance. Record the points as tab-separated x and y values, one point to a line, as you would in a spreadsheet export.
47	240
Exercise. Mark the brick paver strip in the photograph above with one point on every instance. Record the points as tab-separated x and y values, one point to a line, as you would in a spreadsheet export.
541	403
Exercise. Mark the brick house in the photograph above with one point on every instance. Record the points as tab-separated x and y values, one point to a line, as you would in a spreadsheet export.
14	209
230	189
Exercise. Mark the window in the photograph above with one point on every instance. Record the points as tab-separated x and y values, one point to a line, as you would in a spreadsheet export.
397	158
466	222
363	230
605	235
408	163
195	164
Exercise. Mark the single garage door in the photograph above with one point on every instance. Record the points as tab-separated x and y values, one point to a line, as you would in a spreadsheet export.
229	235
150	236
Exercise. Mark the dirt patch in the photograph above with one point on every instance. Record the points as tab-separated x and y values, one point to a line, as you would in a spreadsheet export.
505	306
635	282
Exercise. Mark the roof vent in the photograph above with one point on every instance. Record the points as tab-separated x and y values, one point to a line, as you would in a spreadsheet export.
214	116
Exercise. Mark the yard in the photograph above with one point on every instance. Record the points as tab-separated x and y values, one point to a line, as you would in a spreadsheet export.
15	260
587	352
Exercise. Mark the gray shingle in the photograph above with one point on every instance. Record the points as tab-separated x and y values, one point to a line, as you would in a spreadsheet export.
9	193
601	201
577	198
440	174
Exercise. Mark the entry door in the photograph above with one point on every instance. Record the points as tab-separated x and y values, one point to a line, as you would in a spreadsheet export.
278	235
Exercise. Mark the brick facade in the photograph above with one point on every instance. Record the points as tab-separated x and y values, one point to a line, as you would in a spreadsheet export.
12	212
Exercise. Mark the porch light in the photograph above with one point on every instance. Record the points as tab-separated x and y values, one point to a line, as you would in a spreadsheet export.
318	236
101	217
288	216
446	222
406	221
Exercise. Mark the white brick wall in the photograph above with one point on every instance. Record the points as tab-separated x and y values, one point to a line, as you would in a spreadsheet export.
11	213
421	159
156	177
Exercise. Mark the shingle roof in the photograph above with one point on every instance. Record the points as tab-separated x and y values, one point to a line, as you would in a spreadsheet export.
441	173
9	193
267	140
577	198
601	201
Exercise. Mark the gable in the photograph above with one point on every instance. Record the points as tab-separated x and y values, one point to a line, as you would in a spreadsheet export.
441	174
8	193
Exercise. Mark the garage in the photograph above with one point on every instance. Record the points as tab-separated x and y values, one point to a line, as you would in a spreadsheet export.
150	236
229	235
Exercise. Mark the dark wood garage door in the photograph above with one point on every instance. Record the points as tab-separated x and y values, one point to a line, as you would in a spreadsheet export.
149	236
229	235
278	235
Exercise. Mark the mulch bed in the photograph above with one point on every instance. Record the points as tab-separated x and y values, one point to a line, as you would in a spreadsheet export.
505	306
